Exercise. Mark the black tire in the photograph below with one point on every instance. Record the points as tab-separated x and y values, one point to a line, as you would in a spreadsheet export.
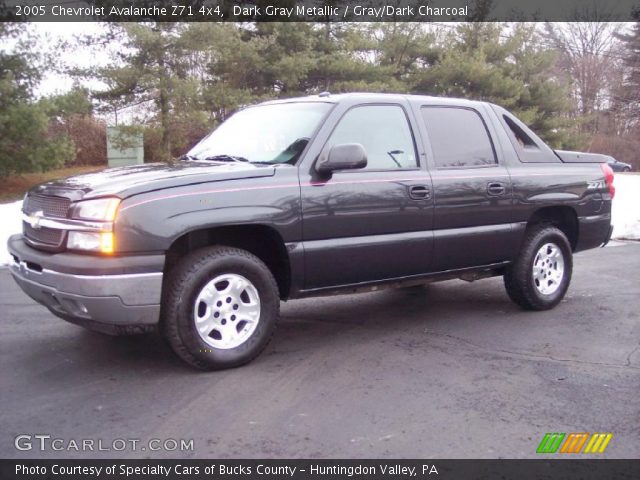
626	169
519	280
188	279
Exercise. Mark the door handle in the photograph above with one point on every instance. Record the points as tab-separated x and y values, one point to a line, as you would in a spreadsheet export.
419	192
496	189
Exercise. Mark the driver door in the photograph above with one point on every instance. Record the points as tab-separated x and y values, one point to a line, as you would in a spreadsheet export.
373	223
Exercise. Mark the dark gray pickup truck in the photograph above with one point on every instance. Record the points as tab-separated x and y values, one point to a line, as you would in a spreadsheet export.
310	196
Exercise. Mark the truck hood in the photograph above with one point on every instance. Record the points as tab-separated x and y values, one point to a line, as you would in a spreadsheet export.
135	179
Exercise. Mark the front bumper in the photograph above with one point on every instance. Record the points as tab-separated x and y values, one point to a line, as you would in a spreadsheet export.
115	295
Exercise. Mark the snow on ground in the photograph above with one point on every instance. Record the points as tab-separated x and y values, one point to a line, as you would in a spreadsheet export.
10	223
625	213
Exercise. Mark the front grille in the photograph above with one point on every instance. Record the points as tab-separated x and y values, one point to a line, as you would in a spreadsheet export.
50	206
47	236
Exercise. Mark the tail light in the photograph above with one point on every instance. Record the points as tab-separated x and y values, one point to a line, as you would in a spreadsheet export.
608	178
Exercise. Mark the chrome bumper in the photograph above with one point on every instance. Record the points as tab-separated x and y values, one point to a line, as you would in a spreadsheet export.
114	304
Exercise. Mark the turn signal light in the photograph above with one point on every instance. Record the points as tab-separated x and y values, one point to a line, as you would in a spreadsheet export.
106	242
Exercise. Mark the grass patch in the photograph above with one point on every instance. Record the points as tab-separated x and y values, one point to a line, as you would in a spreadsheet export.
13	187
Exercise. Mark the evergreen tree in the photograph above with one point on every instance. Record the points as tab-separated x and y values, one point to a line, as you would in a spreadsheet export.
152	70
482	61
192	76
26	144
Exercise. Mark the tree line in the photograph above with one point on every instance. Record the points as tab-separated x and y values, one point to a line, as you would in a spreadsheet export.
576	84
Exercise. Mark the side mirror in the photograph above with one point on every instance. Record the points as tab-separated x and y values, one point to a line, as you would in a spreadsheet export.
345	156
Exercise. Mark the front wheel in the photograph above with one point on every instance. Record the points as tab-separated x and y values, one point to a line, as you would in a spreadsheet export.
539	278
220	308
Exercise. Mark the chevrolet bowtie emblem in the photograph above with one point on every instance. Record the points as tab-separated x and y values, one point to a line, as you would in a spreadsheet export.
34	219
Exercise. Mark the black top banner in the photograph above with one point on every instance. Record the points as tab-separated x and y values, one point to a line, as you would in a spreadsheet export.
319	10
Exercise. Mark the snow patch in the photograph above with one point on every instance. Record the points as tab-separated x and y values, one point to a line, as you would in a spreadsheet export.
625	214
10	223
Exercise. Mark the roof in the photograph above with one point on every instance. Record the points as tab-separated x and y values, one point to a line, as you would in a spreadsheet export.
326	97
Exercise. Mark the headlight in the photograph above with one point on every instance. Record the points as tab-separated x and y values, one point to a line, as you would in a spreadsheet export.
101	209
91	241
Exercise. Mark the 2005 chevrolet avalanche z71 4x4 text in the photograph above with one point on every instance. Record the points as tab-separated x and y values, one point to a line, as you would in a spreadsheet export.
310	196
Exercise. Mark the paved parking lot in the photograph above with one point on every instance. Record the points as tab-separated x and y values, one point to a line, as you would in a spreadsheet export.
452	370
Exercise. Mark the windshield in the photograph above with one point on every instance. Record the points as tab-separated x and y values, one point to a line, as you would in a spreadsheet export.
275	133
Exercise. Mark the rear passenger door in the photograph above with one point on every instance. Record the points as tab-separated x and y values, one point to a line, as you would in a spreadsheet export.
472	190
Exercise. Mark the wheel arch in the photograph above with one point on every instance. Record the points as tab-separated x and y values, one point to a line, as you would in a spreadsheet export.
563	217
263	241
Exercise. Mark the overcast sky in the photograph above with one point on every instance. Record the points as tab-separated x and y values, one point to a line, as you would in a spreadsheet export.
49	34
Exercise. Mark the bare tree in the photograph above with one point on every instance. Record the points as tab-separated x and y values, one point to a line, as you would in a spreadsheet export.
589	54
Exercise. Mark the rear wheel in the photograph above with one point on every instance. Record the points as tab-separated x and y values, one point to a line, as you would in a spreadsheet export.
626	169
220	308
540	277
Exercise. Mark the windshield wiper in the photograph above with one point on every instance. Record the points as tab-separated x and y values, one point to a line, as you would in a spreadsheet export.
226	158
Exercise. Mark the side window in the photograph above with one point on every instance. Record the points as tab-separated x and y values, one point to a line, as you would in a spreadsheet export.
458	137
383	131
519	134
